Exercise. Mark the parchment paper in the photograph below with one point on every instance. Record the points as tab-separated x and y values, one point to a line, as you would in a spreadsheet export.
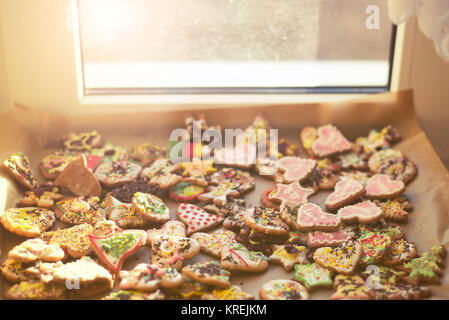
37	134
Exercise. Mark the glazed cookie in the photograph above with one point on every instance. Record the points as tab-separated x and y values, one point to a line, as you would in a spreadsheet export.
186	192
171	251
342	259
82	142
113	174
291	193
162	173
78	179
231	293
288	255
380	186
235	257
212	243
375	246
209	273
400	251
330	141
265	220
27	222
362	212
312	275
241	179
289	214
123	214
393	231
135	295
36	249
197	171
218	195
426	268
149	277
316	239
114	249
79	210
196	218
150	207
19	167
295	168
43	196
350	287
311	217
73	240
147	153
105	228
377	158
52	165
345	192
234	220
283	290
35	290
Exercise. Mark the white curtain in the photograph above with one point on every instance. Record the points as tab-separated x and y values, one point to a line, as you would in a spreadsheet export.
433	20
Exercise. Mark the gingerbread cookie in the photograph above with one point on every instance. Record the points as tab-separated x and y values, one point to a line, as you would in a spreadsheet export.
52	165
380	186
105	228
330	141
43	196
36	249
79	210
376	159
150	207
113	174
171	251
288	255
14	271
286	149
378	140
394	210
82	142
19	167
147	153
312	275
317	239
426	268
376	275
231	293
402	169
212	243
350	287
362	212
27	222
345	192
162	173
388	291
111	153
265	220
235	257
186	192
209	273
73	240
266	199
196	218
342	259
375	246
311	217
283	290
291	193
149	277
295	168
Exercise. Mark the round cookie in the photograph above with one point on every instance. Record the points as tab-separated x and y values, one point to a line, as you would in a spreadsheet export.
283	290
113	174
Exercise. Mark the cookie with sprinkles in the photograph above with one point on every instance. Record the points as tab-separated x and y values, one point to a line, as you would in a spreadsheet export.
352	160
345	192
73	240
232	293
111	153
393	210
149	277
186	192
53	164
135	295
400	251
375	246
196	219
312	275
402	169
265	199
35	249
105	228
170	228
232	206
342	259
243	180
236	257
265	220
123	214
35	290
126	192
117	173
320	179
388	291
43	196
283	290
350	287
197	171
147	153
218	195
362	212
378	274
289	213
291	193
209	273
288	255
330	141
376	159
212	243
162	173
150	207
311	217
171	251
19	167
83	141
80	210
380	186
27	222
316	239
395	232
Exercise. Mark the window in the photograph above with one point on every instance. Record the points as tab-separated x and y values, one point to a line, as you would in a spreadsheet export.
234	46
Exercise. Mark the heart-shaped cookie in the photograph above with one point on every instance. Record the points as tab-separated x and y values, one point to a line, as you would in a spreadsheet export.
171	251
363	212
330	141
317	239
311	217
213	242
291	193
27	222
295	168
196	219
342	259
345	192
381	186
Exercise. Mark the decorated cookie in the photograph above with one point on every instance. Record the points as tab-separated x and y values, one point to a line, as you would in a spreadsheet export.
171	251
317	239
186	192
78	178
147	153
150	207
241	179
393	210
105	228
395	232
265	220
43	196
380	186
330	141
376	275
362	212
170	228
232	206
291	193
135	295
36	249
400	251
197	171
289	214
73	240
353	160
283	290
376	159
295	168
212	243
378	140
126	192
42	271
297	237
388	291
375	246
311	217
234	220
402	169
231	293
219	195
149	277
288	255
27	222
243	156
286	149
82	142
235	257
79	210
196	219
189	290
346	192
162	173
34	290
312	275
361	177
209	273
320	179
113	250
267	201
84	277
308	136
53	164
342	259
426	268
350	287
123	214
111	153
14	271
113	174
19	167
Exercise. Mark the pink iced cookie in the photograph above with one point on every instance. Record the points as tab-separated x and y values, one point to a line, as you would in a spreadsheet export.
295	168
196	218
311	217
291	193
345	192
318	239
330	141
363	212
381	186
